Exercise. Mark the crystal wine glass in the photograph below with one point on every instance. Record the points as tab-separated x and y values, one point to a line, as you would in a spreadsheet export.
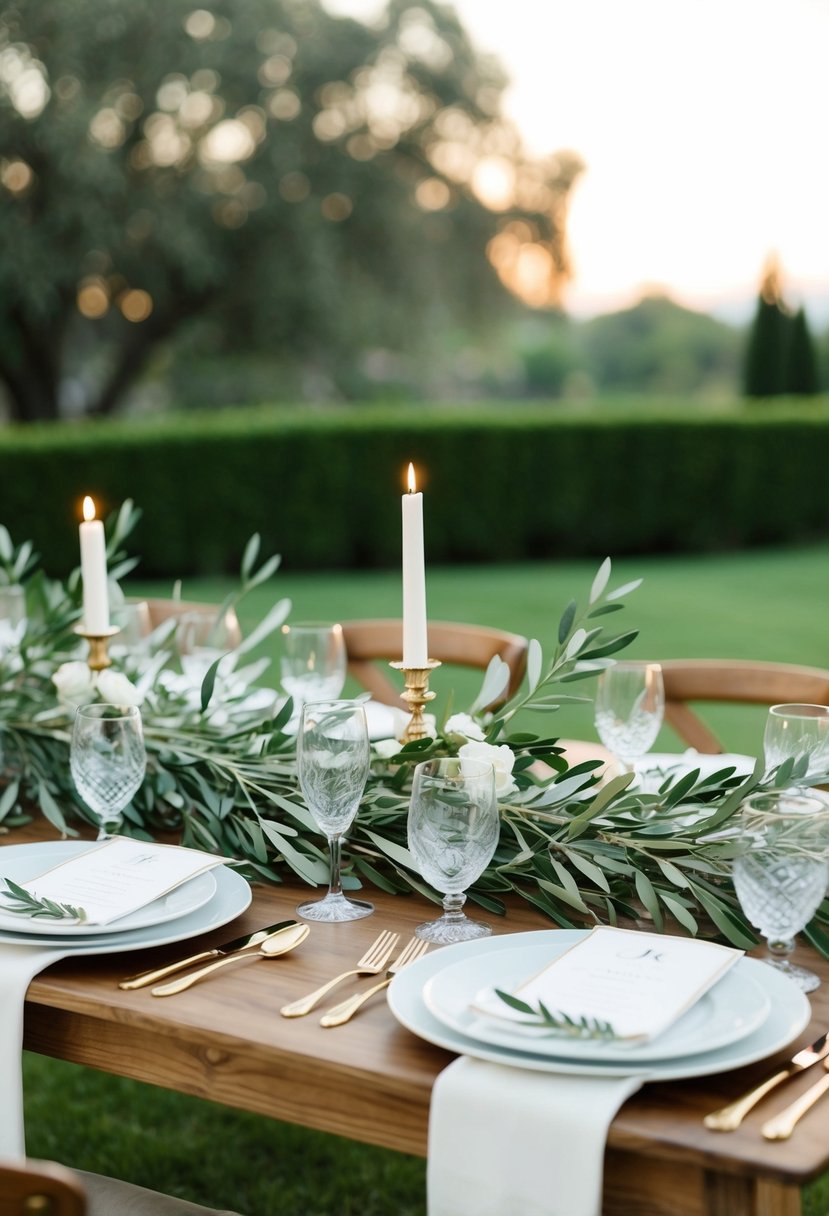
781	880
313	662
332	760
630	705
201	639
453	831
107	760
797	731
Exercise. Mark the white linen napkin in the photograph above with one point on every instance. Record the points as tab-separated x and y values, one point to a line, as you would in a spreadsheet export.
18	967
504	1139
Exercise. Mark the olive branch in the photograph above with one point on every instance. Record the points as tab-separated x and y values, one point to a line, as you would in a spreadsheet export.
561	1023
27	904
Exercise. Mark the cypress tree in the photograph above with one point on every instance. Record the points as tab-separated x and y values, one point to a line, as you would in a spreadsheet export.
801	363
768	340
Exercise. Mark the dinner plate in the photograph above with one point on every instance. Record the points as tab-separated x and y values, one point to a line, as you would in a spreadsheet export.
734	1007
656	767
31	861
231	898
789	1014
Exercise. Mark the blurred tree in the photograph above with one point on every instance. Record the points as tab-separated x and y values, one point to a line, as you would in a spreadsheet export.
801	378
767	351
303	183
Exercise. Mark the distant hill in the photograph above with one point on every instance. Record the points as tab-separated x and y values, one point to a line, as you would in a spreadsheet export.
658	346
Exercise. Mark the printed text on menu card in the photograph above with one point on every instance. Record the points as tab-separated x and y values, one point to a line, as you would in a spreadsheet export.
119	877
638	982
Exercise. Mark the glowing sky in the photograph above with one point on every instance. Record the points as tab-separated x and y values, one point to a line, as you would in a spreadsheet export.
703	126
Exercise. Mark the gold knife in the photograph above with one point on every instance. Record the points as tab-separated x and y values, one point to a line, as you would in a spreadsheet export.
249	942
782	1125
274	945
730	1117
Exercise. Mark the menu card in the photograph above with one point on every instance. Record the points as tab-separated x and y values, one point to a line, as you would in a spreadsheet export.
640	983
119	876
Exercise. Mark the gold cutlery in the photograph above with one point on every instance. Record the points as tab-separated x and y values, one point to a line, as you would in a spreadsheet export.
730	1117
249	942
338	1014
372	963
782	1125
272	947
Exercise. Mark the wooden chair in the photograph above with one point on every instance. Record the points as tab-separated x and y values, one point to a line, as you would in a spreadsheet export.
43	1188
370	641
733	680
162	609
40	1188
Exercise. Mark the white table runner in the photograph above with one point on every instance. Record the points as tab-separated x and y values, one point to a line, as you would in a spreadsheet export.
505	1139
18	967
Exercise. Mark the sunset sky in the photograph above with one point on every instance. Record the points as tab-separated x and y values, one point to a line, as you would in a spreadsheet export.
702	123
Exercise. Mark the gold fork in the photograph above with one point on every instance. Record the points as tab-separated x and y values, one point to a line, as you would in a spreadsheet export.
372	963
414	949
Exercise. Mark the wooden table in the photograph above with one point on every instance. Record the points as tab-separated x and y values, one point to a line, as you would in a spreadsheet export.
371	1080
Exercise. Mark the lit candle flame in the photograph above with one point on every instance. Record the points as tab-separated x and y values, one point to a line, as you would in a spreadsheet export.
88	508
412	482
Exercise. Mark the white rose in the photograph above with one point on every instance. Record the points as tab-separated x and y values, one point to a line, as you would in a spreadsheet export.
500	757
386	748
116	689
465	726
74	683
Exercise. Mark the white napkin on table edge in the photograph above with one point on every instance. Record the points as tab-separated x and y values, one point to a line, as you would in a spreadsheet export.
508	1140
18	967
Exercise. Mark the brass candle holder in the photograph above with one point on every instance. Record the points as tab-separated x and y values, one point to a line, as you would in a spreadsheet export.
98	658
416	695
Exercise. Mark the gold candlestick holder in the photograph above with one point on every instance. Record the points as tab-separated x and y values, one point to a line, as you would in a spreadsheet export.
416	695
98	658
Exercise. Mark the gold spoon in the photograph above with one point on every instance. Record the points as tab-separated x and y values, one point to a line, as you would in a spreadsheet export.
272	947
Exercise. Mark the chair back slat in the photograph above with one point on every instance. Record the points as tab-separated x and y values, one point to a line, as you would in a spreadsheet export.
40	1188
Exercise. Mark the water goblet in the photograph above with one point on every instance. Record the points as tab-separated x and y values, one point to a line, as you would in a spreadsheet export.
333	755
313	662
781	879
630	706
453	831
798	732
107	760
201	639
12	616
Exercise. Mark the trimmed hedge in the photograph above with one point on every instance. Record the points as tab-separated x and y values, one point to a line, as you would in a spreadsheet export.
502	482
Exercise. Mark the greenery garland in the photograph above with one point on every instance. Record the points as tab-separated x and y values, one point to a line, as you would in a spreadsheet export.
222	772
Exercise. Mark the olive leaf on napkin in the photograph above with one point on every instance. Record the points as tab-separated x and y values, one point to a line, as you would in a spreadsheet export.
561	1023
27	904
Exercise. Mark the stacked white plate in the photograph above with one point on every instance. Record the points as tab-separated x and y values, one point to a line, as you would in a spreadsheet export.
752	1012
205	902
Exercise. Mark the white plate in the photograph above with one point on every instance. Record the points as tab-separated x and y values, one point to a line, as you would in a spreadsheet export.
790	1014
190	896
232	897
654	768
729	1011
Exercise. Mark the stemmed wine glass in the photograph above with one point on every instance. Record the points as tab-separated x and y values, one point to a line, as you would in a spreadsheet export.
798	732
781	880
332	760
313	662
630	706
453	831
107	760
201	639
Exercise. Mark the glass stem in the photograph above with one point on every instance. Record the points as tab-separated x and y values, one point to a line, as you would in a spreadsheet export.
780	950
452	906
334	882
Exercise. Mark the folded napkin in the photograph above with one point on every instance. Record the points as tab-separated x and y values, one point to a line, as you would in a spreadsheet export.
504	1140
18	966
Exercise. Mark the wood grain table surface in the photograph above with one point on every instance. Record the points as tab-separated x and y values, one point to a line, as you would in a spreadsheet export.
371	1079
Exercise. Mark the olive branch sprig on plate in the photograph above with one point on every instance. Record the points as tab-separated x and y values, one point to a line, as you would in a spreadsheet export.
25	903
561	1023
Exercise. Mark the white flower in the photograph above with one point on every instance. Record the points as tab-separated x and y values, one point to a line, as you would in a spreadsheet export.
465	726
500	757
116	689
385	748
75	683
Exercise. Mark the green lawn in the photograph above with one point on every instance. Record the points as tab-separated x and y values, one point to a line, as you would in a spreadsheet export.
764	605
